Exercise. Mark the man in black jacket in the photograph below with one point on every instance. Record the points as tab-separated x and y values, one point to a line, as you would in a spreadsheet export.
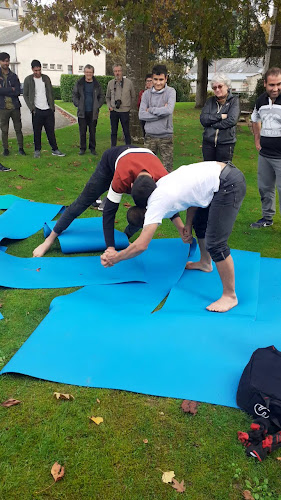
9	103
88	98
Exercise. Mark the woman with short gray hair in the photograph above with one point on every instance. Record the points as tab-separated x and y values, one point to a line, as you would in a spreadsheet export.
219	118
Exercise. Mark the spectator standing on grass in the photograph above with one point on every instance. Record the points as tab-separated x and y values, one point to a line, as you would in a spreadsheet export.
219	117
88	98
9	104
38	95
266	119
156	110
120	97
148	85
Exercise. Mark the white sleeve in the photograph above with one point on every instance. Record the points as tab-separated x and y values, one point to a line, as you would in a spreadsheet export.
255	117
113	196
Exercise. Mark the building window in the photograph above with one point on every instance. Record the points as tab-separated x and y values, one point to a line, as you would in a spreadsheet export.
45	66
52	66
69	69
81	68
59	66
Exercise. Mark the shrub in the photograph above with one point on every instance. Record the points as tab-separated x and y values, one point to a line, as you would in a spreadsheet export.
258	91
67	83
181	86
56	92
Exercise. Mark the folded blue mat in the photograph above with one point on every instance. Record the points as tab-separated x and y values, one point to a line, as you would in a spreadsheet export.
269	301
7	200
25	218
85	235
196	289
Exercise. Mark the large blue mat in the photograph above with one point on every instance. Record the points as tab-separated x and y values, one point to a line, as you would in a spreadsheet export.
25	218
85	235
197	289
7	200
1	316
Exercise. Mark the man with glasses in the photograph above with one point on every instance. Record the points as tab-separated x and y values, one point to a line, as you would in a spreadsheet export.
120	96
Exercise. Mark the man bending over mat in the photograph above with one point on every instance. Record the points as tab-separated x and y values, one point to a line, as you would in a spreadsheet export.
212	193
117	170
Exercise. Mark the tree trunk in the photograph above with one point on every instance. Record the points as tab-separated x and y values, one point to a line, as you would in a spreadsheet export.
202	82
273	54
137	45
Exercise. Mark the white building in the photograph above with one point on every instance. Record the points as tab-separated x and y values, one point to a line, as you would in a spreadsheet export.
243	75
56	56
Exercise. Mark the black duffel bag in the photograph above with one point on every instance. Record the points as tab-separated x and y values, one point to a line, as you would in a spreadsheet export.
259	390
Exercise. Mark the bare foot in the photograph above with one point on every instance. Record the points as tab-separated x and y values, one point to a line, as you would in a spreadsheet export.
200	266
42	249
225	303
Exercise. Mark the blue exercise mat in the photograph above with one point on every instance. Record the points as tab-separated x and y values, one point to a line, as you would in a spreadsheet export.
85	235
25	218
1	316
269	301
163	354
196	289
7	200
64	272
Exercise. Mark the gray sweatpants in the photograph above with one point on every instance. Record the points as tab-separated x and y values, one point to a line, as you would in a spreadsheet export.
269	175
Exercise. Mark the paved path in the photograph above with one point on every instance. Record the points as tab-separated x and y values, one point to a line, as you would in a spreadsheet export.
60	120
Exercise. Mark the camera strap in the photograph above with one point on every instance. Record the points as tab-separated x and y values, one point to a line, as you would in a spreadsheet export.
115	88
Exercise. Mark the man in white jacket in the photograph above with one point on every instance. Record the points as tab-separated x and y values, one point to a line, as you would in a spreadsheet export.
156	109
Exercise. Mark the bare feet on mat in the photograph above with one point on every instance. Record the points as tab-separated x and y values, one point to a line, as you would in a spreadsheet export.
41	249
224	304
200	266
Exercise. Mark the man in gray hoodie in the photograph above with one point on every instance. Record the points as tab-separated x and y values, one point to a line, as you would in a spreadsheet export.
156	109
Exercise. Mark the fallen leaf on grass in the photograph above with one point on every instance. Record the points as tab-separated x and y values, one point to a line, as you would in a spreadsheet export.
168	476
1	305
59	189
26	178
98	401
179	487
145	441
18	187
116	221
189	406
97	420
59	395
57	472
247	495
10	402
277	458
127	205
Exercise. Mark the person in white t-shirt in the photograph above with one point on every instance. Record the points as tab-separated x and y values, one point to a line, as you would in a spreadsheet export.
211	193
38	95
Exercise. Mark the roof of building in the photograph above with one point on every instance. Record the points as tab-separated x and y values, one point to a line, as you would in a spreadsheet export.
12	34
236	68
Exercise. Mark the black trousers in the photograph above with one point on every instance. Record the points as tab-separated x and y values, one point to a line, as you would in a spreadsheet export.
91	124
215	223
220	152
124	118
44	118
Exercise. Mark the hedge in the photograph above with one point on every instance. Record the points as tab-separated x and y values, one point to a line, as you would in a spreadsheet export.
182	87
67	83
56	92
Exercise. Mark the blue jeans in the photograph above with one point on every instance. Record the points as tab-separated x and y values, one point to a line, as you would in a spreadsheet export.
215	223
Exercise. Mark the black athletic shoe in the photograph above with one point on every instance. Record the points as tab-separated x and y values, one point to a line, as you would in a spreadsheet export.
262	223
96	203
4	169
22	152
93	152
6	152
82	152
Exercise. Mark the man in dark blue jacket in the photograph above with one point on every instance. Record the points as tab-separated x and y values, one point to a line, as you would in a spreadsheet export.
9	103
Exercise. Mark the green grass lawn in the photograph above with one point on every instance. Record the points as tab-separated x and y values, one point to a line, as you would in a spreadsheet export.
111	461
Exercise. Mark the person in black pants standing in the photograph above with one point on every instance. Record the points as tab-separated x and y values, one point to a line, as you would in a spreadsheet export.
120	97
38	95
88	98
219	118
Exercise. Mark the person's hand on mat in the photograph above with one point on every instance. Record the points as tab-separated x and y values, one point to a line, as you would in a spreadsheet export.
44	247
107	258
187	235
